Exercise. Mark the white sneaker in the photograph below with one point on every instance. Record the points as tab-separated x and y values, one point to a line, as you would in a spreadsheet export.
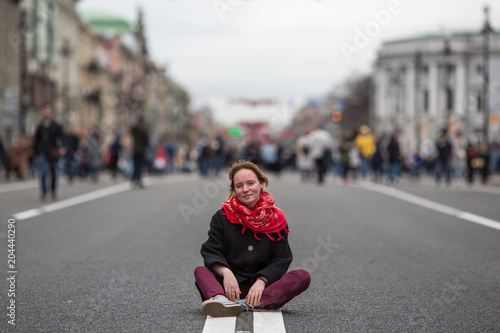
221	307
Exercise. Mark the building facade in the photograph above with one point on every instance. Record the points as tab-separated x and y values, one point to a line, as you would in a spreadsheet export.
39	64
66	56
97	95
10	48
93	68
428	83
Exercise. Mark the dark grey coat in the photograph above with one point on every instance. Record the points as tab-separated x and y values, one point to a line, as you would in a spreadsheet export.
246	256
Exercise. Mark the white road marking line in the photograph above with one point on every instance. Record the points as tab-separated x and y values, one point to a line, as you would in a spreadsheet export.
479	220
27	214
86	197
268	321
219	325
433	205
73	201
264	321
34	183
104	192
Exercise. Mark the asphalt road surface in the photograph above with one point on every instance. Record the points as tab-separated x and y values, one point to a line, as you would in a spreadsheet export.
106	258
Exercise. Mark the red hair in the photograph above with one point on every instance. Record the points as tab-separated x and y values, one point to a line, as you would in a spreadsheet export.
242	164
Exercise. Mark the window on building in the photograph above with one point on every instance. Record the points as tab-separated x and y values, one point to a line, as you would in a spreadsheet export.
449	99
33	25
479	103
426	100
50	30
451	69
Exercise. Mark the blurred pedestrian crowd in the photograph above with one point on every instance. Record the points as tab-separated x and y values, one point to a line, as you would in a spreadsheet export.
359	155
364	155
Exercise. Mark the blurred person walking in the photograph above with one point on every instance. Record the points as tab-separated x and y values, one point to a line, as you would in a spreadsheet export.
115	150
171	150
72	143
48	146
344	148
247	253
20	153
484	154
444	151
204	154
471	153
305	162
160	159
218	149
366	145
378	159
251	151
354	160
83	157
394	157
415	162
184	154
321	152
6	159
459	156
270	153
94	153
140	143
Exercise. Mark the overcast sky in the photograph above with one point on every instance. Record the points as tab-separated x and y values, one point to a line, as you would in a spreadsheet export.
283	48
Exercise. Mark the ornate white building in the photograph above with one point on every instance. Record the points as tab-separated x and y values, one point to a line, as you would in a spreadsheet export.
435	82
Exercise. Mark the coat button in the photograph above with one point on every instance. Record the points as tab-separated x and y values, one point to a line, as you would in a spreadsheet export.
247	270
250	248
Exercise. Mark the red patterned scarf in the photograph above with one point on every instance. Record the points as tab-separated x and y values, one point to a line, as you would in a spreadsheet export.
264	217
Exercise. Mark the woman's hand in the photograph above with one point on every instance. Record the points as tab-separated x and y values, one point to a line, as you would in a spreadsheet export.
255	293
231	287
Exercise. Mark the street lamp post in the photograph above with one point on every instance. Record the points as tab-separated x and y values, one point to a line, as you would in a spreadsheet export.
23	71
395	97
418	64
486	32
447	71
66	53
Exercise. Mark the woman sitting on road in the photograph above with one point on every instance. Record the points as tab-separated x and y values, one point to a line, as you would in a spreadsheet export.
247	254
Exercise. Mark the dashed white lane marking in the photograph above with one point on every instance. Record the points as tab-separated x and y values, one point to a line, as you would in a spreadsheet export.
104	192
268	321
433	205
27	214
220	325
73	201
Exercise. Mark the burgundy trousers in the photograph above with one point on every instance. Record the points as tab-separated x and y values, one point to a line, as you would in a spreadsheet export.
274	296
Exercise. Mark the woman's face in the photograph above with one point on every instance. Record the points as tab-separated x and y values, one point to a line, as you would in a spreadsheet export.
247	187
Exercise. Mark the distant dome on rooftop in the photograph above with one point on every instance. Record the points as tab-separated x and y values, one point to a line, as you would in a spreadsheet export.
105	22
